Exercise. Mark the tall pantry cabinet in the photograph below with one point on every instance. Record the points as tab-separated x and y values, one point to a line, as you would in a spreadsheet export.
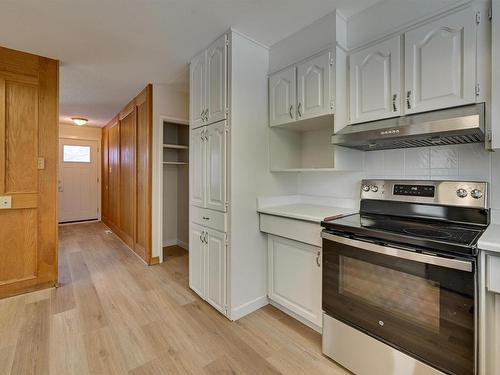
228	111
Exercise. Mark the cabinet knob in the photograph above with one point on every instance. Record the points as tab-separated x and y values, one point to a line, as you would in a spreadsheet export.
408	97
394	106
318	258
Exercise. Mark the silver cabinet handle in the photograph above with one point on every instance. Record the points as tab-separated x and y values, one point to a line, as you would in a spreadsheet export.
201	236
290	111
318	258
206	237
299	109
206	114
408	96
201	135
205	132
206	218
202	115
394	107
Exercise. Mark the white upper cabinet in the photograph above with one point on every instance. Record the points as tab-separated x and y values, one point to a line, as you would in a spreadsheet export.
197	166
216	166
197	90
440	59
375	83
314	87
217	81
282	97
216	269
208	85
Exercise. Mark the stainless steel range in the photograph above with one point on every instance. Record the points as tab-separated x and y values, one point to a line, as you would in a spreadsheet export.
400	279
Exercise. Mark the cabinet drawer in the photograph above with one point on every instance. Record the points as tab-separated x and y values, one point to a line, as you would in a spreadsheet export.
493	273
209	218
303	231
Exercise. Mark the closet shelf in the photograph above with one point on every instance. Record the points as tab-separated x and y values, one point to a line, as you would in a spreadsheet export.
175	163
178	147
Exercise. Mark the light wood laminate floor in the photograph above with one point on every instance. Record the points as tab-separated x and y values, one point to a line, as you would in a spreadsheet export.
114	315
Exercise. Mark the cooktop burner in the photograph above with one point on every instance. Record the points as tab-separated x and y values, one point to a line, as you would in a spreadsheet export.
437	235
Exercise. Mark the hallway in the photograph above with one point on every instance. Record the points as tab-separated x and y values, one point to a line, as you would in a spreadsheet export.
113	315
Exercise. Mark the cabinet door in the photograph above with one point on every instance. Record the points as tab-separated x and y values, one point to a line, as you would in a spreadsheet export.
282	97
216	270
114	174
375	83
197	92
314	87
217	81
440	63
215	198
197	260
197	166
295	277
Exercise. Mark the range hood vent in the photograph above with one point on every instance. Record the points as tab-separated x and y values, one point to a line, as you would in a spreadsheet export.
444	127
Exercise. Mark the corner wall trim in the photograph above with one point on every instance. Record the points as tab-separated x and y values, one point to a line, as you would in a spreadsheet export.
154	261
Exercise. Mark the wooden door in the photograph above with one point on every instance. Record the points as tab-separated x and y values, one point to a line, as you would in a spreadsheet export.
127	175
143	105
216	101
197	259
197	166
28	171
440	63
282	97
314	87
216	269
375	83
197	91
105	174
78	180
294	277
216	165
114	176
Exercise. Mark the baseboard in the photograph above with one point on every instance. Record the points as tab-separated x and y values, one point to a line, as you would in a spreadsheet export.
296	316
183	244
249	307
168	243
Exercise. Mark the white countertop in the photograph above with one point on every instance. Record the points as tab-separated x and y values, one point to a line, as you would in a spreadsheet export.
313	209
490	240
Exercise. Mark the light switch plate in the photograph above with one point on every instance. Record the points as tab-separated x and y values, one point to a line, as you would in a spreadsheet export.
5	202
41	163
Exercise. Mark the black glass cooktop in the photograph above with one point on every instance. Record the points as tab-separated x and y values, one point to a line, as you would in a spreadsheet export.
423	233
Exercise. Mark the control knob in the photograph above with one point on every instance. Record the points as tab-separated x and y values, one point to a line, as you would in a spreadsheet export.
476	193
374	188
461	193
365	187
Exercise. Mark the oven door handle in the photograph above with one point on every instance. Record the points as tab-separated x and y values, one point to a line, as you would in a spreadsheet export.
456	264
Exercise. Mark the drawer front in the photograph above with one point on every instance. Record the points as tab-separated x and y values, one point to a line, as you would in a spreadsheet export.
209	218
303	231
493	273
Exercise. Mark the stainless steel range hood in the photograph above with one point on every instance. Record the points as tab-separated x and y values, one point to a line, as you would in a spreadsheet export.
444	127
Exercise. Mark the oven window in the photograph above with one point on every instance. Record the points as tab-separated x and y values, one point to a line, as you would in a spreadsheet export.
403	295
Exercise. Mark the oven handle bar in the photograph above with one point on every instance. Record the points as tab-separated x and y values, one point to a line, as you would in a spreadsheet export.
456	264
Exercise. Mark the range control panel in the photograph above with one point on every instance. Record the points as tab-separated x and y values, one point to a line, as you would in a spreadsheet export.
448	193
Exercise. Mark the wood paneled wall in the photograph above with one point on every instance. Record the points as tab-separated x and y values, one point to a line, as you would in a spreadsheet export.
29	116
127	174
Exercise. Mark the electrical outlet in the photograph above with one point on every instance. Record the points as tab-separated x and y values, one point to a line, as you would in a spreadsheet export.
5	202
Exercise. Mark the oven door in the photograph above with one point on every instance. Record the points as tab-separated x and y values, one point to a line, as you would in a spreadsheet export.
419	303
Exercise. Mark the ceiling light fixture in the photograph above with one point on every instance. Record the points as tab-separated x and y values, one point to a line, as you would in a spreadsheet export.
79	120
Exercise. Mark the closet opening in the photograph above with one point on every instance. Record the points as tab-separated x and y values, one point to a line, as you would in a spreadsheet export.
175	170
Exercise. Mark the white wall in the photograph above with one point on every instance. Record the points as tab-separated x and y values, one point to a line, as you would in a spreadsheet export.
168	102
79	132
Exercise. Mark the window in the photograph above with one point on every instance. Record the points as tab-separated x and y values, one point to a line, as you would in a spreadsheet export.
76	154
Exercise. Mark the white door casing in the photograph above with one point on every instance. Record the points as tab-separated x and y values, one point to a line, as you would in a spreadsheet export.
375	83
197	92
216	164
314	87
282	97
216	99
440	62
216	269
198	166
78	180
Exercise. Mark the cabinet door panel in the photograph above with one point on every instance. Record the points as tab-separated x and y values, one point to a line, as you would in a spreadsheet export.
197	260
282	97
216	80
197	92
216	167
216	270
375	84
441	62
197	167
314	87
114	174
295	277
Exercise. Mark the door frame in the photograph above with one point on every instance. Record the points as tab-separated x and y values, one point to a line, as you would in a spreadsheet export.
99	176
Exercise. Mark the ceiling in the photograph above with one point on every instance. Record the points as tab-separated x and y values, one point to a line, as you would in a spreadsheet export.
110	49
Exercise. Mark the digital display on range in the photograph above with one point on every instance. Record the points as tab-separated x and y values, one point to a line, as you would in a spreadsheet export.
415	190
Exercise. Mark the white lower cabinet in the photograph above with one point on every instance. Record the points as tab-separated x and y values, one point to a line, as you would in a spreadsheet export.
489	319
294	279
207	265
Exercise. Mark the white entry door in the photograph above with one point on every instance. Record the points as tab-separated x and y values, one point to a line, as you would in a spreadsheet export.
78	180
